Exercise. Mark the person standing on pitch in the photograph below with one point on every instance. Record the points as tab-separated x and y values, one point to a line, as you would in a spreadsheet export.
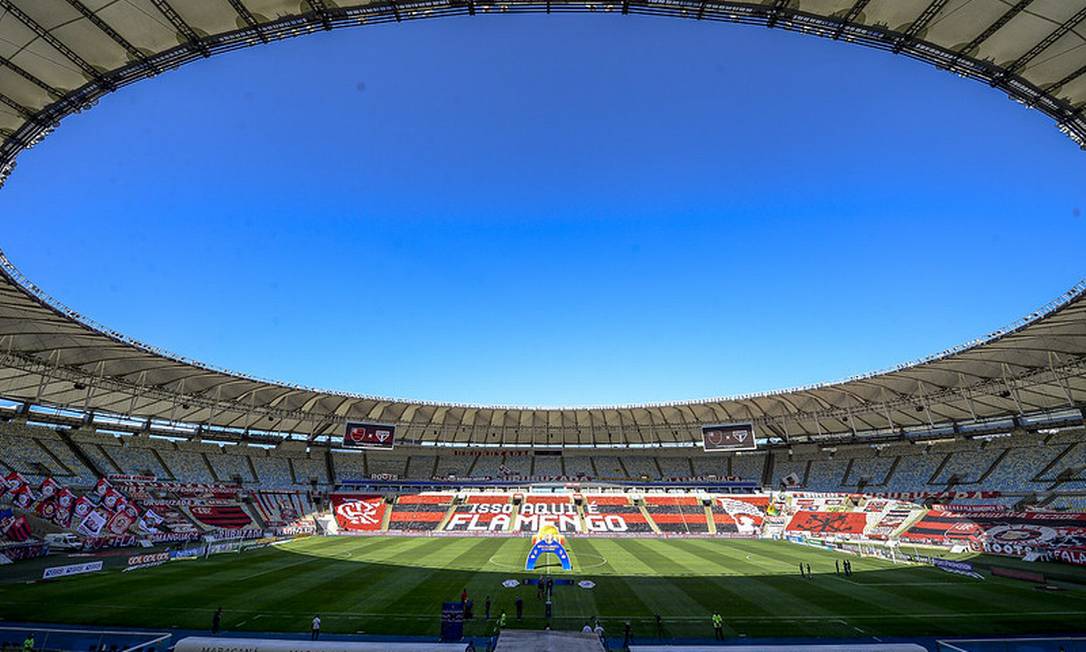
315	632
809	576
486	607
801	574
627	635
836	566
520	608
659	627
216	621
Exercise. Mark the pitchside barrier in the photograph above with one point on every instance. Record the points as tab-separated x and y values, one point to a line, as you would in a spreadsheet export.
215	644
1077	644
48	639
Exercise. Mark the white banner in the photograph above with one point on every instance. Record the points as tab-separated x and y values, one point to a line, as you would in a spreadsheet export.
93	523
73	569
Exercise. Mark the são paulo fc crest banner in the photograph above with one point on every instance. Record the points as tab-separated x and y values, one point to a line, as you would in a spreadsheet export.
728	437
369	435
359	513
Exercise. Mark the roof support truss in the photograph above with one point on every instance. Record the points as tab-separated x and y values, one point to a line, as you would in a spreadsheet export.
113	34
1022	61
995	27
55	43
919	24
181	26
248	18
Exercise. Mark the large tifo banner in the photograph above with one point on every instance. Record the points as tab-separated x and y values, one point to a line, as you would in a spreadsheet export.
728	437
1005	533
531	517
358	513
369	435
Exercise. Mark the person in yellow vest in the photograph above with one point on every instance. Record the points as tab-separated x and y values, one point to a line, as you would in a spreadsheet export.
28	643
718	627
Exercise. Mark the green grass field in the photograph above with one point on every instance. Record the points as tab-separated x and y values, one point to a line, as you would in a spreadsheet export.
396	586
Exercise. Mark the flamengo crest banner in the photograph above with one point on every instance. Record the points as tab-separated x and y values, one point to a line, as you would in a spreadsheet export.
369	435
728	437
359	513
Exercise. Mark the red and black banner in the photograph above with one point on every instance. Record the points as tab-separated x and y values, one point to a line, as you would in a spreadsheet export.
227	517
369	435
943	527
360	513
828	523
14	528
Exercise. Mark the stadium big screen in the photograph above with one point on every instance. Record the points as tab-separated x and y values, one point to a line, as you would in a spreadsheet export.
728	437
369	435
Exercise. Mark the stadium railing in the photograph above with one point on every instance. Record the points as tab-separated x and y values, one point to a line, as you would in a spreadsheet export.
56	638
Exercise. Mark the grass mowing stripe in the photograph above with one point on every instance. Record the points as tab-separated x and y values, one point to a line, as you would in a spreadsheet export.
396	585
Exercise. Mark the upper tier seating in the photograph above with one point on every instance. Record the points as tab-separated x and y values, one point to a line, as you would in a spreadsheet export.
579	466
675	467
456	466
548	466
638	467
748	467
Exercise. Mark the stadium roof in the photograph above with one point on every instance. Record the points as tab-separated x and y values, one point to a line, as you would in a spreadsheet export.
52	355
58	56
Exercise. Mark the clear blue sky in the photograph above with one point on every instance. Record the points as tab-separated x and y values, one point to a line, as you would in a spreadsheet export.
552	210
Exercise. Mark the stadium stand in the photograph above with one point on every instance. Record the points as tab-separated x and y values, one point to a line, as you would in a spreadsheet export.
516	466
620	506
349	465
609	468
488	466
186	463
478	510
638	467
382	463
675	467
271	470
547	466
684	514
419	512
748	467
455	466
229	466
705	466
578	466
309	468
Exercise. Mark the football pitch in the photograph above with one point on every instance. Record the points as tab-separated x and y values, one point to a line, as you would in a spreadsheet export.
396	585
